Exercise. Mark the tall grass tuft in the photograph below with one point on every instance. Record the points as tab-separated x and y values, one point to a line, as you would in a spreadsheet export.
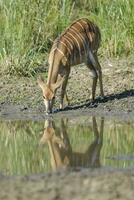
27	29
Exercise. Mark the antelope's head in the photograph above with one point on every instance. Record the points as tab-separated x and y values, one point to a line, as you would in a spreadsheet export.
49	93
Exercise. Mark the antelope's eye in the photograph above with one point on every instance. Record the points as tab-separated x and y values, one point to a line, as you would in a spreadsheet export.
44	97
53	97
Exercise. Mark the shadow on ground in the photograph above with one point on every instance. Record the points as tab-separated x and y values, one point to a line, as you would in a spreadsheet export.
111	97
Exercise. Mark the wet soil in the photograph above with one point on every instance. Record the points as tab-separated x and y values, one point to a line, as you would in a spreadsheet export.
21	98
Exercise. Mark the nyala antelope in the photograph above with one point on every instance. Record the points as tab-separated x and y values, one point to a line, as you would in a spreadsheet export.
78	44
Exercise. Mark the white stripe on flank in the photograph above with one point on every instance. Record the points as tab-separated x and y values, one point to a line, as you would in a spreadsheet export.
80	36
77	44
72	60
65	46
70	42
80	25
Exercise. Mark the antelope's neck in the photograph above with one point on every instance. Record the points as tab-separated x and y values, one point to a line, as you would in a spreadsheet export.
53	71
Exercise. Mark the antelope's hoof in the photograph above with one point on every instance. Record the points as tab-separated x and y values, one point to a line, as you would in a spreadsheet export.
57	110
102	98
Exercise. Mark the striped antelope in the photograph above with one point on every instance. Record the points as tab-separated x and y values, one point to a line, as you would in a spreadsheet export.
78	44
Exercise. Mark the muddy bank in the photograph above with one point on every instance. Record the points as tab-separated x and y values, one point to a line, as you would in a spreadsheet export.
85	184
17	112
22	94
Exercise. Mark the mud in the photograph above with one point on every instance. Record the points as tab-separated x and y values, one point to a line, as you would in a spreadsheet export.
87	184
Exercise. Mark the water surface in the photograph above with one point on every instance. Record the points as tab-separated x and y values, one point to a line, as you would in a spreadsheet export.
28	147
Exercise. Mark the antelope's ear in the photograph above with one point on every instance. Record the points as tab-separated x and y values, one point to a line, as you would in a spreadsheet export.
57	84
41	82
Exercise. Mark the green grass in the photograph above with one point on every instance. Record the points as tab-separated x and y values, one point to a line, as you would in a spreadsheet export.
27	29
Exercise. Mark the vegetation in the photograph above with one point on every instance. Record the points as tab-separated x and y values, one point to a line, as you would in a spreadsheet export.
27	29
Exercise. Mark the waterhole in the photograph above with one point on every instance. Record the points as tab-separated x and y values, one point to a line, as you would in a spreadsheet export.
29	147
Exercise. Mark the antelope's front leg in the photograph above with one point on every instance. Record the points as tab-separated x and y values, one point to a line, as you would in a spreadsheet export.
63	91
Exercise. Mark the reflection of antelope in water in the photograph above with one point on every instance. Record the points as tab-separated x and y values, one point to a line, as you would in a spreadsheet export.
61	151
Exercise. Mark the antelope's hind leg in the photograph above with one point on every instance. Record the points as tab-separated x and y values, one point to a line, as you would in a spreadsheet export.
99	71
94	76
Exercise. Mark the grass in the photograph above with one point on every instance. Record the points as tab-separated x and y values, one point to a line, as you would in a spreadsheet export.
29	27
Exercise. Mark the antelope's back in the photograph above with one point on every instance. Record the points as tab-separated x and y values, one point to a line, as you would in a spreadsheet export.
76	40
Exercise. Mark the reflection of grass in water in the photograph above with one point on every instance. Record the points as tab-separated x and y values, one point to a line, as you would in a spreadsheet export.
19	147
80	137
118	140
21	154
